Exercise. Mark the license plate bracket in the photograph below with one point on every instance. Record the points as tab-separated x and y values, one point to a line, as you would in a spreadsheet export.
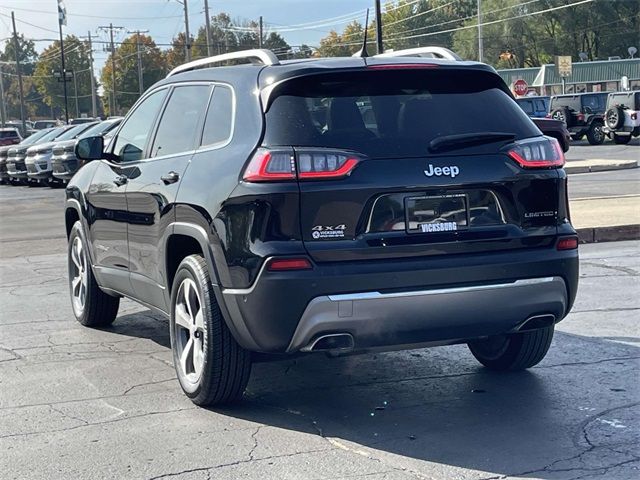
436	213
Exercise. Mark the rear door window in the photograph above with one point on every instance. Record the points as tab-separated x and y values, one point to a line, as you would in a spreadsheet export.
179	126
389	114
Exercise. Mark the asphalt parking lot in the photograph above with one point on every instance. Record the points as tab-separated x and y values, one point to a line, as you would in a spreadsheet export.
81	403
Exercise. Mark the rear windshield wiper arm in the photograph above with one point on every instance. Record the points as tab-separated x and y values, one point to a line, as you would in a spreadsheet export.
451	142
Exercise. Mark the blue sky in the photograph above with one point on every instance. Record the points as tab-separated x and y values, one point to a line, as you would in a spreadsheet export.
164	18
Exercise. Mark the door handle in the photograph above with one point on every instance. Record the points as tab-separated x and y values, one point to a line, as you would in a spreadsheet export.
120	180
171	177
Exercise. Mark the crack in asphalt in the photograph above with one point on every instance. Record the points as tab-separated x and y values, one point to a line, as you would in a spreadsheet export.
627	270
238	462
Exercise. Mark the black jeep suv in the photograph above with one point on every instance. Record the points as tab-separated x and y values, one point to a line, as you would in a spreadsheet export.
337	205
583	113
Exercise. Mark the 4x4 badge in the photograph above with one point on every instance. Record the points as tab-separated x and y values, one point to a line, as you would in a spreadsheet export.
328	231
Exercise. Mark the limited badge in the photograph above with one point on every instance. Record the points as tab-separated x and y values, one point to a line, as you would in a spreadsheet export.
328	231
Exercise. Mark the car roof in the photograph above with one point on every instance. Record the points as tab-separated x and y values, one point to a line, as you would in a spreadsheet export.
292	68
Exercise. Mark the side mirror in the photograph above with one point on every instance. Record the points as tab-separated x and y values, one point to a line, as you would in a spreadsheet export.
90	148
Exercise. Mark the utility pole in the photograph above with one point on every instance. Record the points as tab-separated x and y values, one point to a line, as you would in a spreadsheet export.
94	103
378	28
480	40
75	91
260	33
64	71
187	39
207	24
3	112
17	52
139	53
113	66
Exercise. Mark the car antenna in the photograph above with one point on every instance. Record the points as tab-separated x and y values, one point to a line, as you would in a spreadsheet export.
362	53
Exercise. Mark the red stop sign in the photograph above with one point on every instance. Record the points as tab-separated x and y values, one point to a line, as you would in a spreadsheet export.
520	87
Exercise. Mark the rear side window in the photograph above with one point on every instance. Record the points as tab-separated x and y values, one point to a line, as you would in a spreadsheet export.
178	129
219	121
8	134
391	113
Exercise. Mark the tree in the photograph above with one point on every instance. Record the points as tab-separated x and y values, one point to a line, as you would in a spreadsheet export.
126	55
28	57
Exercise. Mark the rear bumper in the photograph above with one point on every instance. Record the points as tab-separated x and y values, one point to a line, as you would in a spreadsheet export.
375	319
389	303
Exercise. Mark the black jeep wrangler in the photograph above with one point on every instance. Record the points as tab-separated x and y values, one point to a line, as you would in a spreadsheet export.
583	113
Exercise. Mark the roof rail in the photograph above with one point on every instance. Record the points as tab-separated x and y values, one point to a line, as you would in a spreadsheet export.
427	52
256	56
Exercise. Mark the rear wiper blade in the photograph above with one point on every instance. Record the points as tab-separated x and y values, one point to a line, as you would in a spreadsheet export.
451	142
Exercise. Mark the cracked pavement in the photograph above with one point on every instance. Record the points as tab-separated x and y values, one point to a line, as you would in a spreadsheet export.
77	403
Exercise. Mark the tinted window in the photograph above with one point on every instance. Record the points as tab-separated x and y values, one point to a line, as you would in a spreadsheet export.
527	106
540	106
100	128
178	129
133	135
217	126
8	134
391	113
36	137
73	132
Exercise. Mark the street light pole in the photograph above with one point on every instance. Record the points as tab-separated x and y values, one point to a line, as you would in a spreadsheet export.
75	91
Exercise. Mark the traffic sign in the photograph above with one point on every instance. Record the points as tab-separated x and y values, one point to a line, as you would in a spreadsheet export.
520	87
564	65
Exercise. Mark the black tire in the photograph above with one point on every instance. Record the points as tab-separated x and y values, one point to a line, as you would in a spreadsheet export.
614	118
224	366
98	309
512	352
595	134
621	139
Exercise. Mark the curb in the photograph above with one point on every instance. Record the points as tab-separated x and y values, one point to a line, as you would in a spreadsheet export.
599	167
609	234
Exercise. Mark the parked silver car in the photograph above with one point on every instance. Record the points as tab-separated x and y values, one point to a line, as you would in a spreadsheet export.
15	162
64	161
38	161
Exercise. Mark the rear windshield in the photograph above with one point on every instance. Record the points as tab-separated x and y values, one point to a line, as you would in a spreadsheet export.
391	113
8	133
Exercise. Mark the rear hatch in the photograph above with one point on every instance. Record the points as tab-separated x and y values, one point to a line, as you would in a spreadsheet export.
408	162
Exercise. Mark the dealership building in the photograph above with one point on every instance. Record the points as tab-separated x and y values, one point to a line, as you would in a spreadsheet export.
597	76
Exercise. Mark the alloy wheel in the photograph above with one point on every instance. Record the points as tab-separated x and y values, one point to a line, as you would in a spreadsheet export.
189	331
79	276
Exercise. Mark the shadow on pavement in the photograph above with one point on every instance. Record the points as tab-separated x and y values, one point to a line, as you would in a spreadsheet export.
436	405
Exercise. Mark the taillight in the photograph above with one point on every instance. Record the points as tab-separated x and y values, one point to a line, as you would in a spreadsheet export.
567	243
540	152
304	164
284	264
580	117
271	165
318	164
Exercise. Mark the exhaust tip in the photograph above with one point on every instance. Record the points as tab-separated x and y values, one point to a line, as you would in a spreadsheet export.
538	321
339	342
